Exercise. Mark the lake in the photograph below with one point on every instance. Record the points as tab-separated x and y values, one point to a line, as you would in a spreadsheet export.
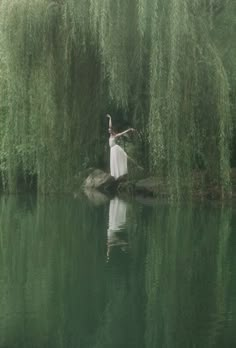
89	272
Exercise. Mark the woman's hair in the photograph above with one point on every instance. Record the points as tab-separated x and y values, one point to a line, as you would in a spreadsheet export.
111	130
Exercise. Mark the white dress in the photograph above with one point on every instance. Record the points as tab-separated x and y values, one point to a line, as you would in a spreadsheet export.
118	159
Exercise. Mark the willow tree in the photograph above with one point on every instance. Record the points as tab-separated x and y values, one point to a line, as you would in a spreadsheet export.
63	63
49	94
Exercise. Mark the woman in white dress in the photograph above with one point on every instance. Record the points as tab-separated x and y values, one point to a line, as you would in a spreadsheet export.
118	157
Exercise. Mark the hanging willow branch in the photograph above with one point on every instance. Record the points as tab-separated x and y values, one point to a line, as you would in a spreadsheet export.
63	62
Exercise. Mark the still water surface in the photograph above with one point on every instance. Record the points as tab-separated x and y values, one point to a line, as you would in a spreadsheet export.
92	273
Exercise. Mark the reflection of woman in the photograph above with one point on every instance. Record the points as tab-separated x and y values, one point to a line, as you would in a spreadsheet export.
117	221
118	157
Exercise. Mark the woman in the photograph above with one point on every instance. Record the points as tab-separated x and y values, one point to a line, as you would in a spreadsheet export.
118	157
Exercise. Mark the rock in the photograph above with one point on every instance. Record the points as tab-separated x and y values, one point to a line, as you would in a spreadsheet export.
96	197
104	182
122	179
147	186
147	200
126	187
100	181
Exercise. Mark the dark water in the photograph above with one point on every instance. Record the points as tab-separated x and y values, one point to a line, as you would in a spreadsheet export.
116	274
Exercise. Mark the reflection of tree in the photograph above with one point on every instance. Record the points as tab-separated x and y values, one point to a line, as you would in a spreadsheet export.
51	272
122	322
187	277
173	288
115	329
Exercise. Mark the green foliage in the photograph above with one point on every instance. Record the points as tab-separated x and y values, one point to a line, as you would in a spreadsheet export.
163	63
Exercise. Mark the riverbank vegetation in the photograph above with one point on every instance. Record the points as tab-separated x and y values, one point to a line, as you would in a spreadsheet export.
165	67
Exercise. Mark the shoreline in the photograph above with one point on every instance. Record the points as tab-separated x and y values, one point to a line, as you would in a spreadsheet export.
154	187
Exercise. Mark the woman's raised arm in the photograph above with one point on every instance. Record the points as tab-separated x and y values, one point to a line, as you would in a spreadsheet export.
110	122
126	131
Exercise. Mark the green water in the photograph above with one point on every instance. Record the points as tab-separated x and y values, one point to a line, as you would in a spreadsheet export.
80	273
